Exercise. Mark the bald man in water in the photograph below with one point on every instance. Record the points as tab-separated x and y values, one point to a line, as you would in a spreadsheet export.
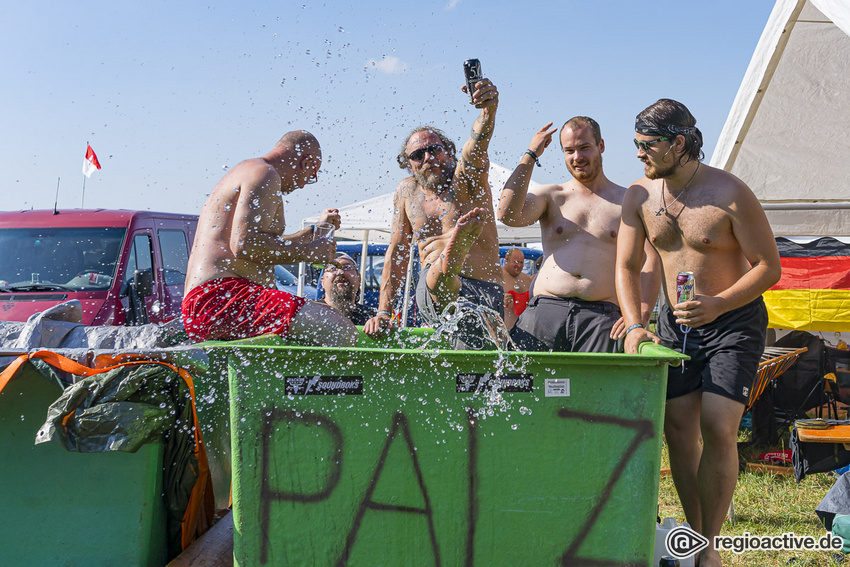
229	289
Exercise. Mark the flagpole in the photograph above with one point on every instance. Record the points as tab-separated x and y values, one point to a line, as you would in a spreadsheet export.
56	202
83	197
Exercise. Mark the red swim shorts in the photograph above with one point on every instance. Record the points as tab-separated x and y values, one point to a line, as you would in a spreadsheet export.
235	308
520	301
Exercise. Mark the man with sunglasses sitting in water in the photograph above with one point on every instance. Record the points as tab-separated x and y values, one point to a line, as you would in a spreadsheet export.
447	207
341	283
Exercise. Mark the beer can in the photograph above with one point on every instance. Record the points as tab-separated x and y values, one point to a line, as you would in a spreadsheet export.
684	287
668	561
472	73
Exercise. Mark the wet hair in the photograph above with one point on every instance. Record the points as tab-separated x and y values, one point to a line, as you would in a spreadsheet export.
404	162
670	118
577	122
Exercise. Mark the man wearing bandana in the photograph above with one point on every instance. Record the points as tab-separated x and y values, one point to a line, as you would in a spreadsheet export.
702	220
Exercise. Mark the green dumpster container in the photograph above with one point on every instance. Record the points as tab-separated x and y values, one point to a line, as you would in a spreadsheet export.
73	509
408	457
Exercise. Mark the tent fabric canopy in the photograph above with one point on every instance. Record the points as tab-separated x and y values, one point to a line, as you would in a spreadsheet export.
788	131
375	215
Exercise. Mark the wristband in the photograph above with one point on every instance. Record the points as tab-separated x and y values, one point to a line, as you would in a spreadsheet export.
385	312
533	156
313	230
633	327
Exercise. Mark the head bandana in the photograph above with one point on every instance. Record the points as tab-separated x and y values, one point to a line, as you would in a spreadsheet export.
650	128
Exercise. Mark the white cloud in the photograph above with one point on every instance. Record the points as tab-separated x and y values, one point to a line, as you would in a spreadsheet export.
452	4
388	64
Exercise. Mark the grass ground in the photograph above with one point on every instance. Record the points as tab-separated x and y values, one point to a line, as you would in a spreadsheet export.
766	504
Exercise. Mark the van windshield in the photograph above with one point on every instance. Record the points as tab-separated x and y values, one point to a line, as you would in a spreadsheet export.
52	259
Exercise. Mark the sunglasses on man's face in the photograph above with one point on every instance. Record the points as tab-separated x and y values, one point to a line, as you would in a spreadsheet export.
419	155
345	267
645	146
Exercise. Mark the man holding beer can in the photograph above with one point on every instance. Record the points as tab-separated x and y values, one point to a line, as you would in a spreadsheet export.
713	240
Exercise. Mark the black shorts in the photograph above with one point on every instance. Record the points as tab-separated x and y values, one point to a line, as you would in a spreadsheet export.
564	324
725	353
468	336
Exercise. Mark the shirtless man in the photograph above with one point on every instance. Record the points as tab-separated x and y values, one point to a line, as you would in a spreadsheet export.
517	284
574	307
230	283
706	221
446	206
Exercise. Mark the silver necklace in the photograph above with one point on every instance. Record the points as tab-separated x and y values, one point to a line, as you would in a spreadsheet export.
662	209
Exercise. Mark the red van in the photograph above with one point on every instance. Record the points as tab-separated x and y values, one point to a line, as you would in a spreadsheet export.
125	267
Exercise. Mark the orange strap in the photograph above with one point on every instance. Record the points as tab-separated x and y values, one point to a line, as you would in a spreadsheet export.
195	519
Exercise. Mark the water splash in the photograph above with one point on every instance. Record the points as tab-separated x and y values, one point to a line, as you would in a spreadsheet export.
465	319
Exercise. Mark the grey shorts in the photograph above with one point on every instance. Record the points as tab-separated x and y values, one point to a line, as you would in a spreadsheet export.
564	324
475	291
725	353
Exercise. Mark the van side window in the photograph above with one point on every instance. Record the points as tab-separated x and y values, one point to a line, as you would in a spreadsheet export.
140	256
175	255
374	269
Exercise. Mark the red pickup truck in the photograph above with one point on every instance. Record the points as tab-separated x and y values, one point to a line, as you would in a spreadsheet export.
125	267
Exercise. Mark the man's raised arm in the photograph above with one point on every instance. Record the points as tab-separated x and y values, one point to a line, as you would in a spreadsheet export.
518	207
474	160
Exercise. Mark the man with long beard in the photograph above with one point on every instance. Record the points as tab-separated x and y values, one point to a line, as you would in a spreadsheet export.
574	304
446	206
705	221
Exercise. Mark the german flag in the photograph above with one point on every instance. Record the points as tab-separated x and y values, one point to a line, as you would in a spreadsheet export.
814	291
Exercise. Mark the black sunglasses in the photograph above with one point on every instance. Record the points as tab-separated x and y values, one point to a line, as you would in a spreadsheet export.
419	155
648	144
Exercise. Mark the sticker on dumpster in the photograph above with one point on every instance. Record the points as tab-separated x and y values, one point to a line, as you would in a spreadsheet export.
557	388
323	385
510	383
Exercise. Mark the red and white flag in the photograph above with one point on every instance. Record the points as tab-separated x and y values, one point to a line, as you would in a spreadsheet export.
90	164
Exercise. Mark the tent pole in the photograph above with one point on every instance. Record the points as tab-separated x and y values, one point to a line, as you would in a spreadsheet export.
364	255
301	272
407	278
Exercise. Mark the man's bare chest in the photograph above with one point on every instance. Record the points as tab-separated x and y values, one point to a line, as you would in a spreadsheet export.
574	218
703	229
432	215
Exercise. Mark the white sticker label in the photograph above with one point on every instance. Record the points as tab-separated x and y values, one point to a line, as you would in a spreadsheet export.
557	388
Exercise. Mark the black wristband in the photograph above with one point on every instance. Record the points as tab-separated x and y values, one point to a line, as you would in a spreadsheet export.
633	327
533	156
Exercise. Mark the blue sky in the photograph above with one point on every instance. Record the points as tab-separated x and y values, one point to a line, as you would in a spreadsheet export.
170	93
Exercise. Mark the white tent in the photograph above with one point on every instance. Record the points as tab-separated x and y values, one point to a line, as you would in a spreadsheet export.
788	132
371	219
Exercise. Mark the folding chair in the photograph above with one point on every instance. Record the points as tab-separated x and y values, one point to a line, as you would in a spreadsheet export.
774	361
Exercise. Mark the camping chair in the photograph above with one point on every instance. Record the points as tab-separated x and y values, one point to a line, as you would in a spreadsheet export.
774	361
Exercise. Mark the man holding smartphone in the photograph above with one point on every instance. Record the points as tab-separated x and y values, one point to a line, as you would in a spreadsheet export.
447	207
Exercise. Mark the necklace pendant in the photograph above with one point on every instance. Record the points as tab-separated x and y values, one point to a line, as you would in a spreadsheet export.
658	212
